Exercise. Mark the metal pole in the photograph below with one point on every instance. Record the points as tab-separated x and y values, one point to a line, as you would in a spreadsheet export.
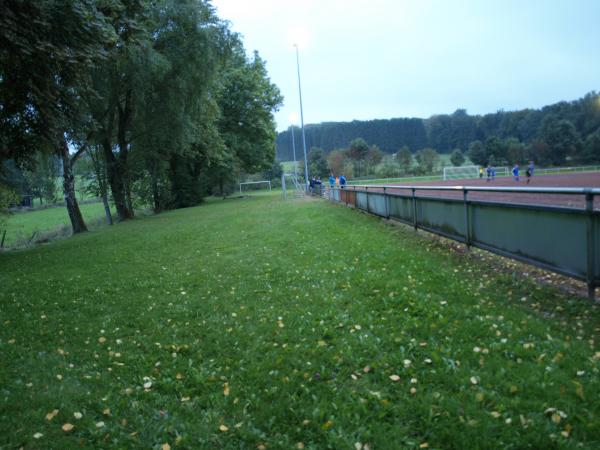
385	199
283	186
591	245
294	150
467	222
302	121
414	196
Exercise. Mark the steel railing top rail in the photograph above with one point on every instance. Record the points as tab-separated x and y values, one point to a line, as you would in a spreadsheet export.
532	190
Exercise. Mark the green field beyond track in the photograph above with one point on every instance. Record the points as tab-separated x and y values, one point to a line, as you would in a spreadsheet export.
257	323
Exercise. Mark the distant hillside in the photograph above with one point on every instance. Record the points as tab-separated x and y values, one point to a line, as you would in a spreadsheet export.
444	132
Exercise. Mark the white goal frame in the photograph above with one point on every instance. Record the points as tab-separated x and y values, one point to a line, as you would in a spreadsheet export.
461	172
255	182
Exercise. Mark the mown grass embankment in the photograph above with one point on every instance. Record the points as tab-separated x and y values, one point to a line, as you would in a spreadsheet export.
257	323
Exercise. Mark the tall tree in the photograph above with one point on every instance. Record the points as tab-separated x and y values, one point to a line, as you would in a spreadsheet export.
404	157
47	46
317	163
457	158
428	160
591	149
247	100
562	138
515	151
476	153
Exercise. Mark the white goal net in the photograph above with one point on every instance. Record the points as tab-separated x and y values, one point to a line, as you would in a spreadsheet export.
461	172
255	185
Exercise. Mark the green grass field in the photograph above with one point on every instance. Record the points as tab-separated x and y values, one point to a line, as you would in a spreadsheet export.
257	323
22	225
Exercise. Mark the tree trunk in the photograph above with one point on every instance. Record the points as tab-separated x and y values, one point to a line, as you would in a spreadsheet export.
123	122
69	189
107	207
155	194
100	172
115	180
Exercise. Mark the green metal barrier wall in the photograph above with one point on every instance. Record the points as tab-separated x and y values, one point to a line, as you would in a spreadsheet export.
564	240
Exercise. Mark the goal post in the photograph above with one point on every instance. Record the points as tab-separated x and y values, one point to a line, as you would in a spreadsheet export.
460	172
255	182
296	188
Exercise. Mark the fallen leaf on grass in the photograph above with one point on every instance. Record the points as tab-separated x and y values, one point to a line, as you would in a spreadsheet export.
67	427
51	415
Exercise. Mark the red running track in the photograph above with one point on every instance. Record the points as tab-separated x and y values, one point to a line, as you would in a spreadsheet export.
581	180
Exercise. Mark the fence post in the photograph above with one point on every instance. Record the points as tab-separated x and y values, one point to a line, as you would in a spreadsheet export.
367	194
467	221
385	199
414	196
2	242
591	244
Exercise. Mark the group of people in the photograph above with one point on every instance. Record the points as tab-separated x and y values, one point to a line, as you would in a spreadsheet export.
337	181
490	172
316	183
528	172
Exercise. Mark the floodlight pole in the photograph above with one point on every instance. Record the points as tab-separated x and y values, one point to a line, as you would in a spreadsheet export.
302	121
294	150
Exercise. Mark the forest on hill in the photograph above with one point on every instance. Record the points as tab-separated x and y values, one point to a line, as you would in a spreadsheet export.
577	122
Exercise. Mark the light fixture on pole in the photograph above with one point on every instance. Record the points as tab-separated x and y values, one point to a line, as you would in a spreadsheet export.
302	120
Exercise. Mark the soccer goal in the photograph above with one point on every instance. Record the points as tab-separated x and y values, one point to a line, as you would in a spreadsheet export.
248	183
296	188
460	172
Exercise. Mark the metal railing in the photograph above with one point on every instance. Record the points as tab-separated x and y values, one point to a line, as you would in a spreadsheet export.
562	239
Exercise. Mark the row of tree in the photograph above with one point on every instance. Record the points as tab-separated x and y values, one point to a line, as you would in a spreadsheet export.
558	131
157	97
360	159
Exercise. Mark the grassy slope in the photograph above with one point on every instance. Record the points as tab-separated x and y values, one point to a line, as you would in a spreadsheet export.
23	224
283	323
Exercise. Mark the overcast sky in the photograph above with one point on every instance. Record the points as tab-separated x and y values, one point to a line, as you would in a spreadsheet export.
377	59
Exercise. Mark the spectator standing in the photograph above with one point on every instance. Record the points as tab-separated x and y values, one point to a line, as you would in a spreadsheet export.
480	172
488	173
331	181
342	181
